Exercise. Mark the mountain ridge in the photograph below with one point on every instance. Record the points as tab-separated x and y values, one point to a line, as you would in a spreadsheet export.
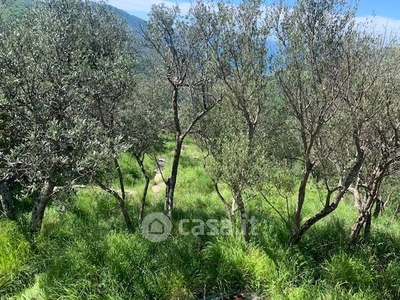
17	8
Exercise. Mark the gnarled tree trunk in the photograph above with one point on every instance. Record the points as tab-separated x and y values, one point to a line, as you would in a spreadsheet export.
371	196
363	221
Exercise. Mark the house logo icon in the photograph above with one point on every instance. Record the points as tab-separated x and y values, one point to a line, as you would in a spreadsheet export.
156	227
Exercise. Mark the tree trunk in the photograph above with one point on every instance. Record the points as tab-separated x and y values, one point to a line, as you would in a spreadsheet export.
121	202
371	196
243	215
125	213
7	207
171	182
378	207
143	201
122	199
40	207
367	227
330	207
357	197
179	137
145	189
362	220
301	199
297	235
228	207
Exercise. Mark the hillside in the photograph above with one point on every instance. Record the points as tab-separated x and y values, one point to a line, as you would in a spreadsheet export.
133	22
15	10
219	153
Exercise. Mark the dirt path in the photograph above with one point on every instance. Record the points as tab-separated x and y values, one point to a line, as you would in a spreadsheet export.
159	184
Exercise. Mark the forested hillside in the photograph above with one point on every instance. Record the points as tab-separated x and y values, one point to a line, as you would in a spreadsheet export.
234	152
15	9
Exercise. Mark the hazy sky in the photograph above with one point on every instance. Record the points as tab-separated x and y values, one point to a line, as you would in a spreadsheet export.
387	11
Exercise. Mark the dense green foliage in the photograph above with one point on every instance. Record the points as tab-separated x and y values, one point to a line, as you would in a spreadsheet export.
268	136
11	10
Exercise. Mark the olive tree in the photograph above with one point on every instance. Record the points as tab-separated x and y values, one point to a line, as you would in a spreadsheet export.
6	204
325	67
236	133
179	48
382	135
66	74
146	121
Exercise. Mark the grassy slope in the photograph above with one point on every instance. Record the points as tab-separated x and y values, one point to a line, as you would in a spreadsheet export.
85	253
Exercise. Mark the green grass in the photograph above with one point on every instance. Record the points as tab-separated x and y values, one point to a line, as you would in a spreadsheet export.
86	253
14	258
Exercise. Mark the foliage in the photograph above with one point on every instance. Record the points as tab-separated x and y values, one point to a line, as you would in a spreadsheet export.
292	111
66	84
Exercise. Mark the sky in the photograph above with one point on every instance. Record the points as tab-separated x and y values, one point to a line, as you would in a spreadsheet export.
387	11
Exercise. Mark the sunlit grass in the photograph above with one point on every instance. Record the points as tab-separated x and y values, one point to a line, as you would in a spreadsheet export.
85	252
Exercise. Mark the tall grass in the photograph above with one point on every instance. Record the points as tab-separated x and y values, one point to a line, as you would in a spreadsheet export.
84	251
14	258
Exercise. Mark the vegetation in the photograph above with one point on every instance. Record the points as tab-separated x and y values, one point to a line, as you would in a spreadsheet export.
282	123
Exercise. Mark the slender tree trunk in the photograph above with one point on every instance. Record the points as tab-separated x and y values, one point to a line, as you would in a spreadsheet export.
243	215
363	220
122	199
171	182
297	235
301	198
330	207
121	202
179	137
125	213
145	189
40	207
143	201
119	198
7	207
228	207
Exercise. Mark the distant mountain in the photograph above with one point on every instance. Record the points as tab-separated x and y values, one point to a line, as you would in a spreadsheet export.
12	11
17	8
135	23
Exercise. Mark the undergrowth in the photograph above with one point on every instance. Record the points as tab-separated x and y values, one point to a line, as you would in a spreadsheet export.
84	251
